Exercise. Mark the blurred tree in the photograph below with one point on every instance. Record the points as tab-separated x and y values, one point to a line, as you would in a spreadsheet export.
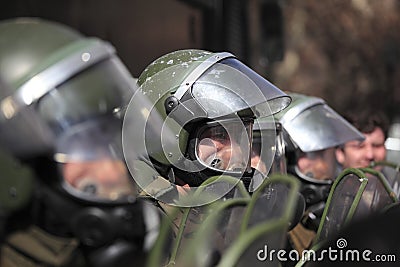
346	52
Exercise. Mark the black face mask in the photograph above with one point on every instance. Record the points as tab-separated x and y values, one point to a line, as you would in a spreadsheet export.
313	192
315	196
109	234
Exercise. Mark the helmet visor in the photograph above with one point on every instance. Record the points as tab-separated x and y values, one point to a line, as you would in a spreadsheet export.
319	127
100	89
91	161
230	86
60	101
264	145
225	145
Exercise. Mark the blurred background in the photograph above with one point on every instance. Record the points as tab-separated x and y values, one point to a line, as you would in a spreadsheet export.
345	51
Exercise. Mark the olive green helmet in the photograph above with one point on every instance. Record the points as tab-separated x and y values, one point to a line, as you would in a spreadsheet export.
61	96
182	91
312	130
51	78
16	184
312	125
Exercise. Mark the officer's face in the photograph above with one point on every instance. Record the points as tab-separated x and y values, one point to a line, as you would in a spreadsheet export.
356	154
104	178
222	154
256	161
225	148
319	165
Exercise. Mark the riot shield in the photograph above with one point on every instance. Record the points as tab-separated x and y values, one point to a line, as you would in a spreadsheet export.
377	196
355	194
391	171
239	231
184	220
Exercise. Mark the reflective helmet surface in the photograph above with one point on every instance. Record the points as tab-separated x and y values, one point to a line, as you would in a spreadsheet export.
61	101
187	99
60	94
312	125
268	143
312	131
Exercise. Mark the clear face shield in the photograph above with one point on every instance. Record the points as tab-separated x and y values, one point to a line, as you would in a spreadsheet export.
87	81
225	145
223	96
91	161
315	126
82	117
82	114
268	150
318	167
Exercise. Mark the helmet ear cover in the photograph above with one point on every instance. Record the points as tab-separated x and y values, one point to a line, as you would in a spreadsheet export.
179	118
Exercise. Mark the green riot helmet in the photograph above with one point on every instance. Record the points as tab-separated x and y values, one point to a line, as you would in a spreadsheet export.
312	125
61	96
191	107
60	112
312	131
17	184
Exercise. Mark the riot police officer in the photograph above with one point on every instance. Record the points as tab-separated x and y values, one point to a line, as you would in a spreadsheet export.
312	132
189	126
60	114
191	119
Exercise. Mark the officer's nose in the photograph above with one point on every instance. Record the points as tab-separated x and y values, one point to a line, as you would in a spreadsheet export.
233	157
109	171
96	177
369	153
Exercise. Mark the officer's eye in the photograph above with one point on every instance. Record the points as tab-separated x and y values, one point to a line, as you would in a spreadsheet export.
357	145
378	145
221	135
361	145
